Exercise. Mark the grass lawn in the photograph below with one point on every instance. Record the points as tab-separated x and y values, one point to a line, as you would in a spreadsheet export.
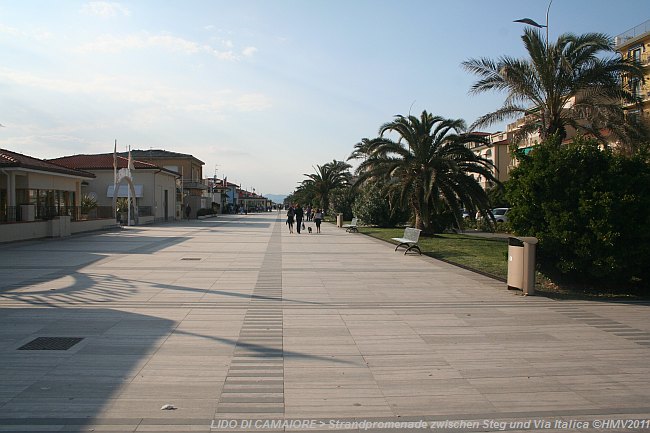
489	256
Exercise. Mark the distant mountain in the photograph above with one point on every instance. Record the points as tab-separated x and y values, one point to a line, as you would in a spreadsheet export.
276	198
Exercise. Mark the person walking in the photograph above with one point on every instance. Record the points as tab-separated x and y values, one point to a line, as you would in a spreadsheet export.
299	216
318	217
290	216
188	211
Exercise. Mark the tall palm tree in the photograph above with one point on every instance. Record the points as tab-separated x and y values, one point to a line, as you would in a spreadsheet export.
429	165
329	176
567	83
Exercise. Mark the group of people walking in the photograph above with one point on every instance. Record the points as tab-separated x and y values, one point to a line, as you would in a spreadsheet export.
295	214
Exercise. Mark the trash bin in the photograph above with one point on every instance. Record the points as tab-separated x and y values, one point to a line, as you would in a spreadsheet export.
339	220
521	264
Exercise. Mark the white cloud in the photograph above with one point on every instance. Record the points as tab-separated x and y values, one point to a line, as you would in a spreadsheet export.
143	92
249	51
39	35
105	9
252	102
115	44
12	31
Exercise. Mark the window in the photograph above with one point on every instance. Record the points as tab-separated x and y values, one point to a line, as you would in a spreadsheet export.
634	54
635	87
633	116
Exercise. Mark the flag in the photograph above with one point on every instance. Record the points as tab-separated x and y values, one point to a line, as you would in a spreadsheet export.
115	163
131	167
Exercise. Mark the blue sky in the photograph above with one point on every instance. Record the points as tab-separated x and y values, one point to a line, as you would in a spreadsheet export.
261	91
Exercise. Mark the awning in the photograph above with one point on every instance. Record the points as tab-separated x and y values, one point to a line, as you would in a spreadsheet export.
123	191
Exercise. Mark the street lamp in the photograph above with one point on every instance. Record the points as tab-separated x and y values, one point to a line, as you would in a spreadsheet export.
535	24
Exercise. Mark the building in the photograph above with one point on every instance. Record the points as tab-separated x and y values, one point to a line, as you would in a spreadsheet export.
155	187
32	189
497	152
252	202
634	44
217	194
190	169
41	199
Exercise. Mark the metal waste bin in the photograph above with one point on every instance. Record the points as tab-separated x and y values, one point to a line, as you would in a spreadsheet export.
339	220
521	264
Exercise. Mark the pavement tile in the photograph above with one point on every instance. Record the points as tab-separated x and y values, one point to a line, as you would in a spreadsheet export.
272	325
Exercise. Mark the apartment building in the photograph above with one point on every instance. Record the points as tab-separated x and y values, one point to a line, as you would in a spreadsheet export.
634	44
190	169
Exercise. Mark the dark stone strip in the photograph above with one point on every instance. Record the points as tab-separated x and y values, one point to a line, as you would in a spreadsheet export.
255	380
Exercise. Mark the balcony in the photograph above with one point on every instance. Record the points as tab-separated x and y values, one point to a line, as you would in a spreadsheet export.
194	184
629	36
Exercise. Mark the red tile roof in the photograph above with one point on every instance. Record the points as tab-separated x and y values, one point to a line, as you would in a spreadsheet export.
104	161
9	159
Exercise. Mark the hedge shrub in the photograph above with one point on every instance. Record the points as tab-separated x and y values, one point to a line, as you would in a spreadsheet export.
372	206
590	209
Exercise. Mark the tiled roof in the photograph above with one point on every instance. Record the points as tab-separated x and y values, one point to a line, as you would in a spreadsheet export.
104	161
9	159
159	154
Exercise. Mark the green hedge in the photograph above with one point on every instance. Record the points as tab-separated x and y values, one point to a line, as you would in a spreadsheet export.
590	209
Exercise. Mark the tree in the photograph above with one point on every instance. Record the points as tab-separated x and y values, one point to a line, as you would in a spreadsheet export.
302	195
373	206
88	203
341	201
590	209
564	84
328	177
429	166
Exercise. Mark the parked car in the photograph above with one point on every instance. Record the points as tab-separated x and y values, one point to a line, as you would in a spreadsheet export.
501	214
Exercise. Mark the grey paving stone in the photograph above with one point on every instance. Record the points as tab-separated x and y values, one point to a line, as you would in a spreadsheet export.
272	325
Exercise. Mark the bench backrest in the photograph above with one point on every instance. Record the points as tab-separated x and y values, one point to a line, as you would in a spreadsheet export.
412	234
354	221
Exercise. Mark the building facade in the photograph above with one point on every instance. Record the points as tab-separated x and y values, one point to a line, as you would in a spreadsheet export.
497	151
155	187
33	189
191	172
634	44
40	199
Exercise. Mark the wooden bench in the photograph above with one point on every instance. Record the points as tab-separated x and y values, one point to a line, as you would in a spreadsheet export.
409	240
352	227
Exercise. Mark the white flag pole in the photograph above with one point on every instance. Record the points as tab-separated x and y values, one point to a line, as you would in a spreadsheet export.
115	179
129	189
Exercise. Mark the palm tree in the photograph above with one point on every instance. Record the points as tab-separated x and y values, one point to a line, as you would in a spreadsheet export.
568	83
329	176
430	166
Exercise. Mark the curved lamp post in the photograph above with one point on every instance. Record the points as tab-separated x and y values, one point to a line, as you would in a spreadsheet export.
530	22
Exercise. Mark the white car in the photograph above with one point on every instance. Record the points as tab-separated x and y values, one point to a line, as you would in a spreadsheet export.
501	214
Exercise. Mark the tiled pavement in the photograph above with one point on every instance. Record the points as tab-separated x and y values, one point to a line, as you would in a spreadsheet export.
234	318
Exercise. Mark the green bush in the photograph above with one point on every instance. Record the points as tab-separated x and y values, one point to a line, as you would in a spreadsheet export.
589	208
497	196
88	203
341	201
373	207
122	205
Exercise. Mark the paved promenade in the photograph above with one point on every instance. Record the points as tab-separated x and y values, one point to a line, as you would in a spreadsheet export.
236	319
